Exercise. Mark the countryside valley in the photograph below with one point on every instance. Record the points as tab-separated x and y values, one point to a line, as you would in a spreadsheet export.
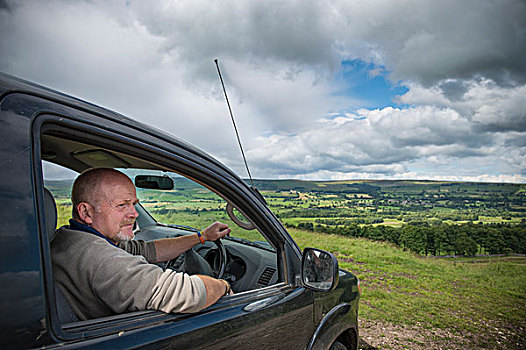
391	235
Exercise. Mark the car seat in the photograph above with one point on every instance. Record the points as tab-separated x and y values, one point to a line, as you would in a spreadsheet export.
64	310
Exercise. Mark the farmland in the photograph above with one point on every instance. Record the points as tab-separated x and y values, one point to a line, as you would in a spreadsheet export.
375	203
394	202
428	218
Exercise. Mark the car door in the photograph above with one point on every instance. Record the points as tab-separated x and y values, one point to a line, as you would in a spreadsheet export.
276	316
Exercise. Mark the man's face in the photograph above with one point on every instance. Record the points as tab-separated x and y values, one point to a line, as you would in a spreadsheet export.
114	213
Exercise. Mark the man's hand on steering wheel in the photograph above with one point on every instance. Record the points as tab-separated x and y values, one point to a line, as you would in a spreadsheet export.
215	231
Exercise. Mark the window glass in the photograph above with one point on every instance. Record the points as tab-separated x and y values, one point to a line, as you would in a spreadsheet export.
251	260
191	204
59	180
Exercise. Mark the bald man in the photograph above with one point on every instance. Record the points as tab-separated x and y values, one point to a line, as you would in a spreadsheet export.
102	271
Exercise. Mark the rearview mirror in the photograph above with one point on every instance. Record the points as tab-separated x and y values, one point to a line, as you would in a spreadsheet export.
154	182
319	270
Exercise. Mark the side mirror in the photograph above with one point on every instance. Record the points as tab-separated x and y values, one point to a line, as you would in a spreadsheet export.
154	182
319	270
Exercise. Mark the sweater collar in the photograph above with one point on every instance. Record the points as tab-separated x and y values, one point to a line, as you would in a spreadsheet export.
78	226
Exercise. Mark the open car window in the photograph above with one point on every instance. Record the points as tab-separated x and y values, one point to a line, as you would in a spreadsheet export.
251	260
188	206
59	180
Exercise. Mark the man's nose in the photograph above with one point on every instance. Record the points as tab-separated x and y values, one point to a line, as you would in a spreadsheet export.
133	212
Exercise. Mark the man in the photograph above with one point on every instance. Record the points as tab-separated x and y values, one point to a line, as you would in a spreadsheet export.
102	272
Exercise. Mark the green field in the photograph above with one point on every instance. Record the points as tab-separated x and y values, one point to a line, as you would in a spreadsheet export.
404	201
455	303
427	217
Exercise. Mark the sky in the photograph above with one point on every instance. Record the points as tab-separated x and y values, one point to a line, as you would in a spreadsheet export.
320	90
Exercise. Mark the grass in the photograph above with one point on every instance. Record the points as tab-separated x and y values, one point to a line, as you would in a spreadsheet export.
483	301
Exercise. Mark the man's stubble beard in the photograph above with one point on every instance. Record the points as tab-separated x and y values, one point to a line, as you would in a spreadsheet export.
121	237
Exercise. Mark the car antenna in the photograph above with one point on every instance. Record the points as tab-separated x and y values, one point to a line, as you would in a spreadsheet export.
233	122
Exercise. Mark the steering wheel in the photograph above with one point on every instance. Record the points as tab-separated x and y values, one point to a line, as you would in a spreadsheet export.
193	263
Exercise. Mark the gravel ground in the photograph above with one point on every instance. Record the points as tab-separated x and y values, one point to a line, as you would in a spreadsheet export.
381	335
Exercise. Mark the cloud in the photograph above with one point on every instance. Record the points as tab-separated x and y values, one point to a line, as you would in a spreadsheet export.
429	41
423	41
293	31
143	56
438	141
461	62
490	107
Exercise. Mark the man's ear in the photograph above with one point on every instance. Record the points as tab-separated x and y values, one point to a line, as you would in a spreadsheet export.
85	212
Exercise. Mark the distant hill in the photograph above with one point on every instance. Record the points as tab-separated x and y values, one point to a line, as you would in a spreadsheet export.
59	188
514	193
375	186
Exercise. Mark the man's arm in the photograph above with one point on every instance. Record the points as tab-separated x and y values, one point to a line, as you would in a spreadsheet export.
215	289
170	248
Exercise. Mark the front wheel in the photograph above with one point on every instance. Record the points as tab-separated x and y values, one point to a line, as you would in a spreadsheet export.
337	346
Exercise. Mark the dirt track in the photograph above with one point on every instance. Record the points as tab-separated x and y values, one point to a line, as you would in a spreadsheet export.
379	335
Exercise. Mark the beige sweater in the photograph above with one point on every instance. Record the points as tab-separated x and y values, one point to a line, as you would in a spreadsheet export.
99	279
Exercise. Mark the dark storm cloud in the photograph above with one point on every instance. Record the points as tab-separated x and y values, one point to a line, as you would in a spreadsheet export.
430	42
453	90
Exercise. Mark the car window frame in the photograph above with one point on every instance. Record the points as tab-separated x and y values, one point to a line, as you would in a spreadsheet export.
133	320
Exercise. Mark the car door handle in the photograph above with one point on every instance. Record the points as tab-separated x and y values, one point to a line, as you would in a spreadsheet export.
260	304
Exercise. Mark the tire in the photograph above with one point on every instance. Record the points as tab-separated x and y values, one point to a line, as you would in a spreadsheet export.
337	346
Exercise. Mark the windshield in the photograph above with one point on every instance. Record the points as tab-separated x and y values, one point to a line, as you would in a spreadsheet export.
190	204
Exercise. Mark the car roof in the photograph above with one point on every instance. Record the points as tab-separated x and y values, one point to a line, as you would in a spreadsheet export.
12	85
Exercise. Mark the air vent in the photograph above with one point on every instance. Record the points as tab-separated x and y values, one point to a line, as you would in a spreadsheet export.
266	276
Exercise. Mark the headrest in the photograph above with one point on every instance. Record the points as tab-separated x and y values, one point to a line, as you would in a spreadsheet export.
50	209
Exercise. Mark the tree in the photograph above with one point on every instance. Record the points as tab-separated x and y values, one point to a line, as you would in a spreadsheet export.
449	238
413	238
309	226
431	244
495	243
465	245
